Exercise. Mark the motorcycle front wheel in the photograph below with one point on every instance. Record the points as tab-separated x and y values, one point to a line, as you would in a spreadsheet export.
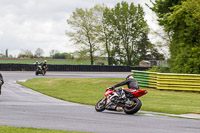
36	73
43	72
134	107
101	104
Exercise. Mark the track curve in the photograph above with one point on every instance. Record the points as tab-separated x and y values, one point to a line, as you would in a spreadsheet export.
23	107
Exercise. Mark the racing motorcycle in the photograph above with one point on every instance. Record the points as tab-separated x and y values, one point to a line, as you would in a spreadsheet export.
39	70
121	100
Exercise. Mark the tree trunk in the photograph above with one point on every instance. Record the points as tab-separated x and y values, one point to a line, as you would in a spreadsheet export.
109	55
91	56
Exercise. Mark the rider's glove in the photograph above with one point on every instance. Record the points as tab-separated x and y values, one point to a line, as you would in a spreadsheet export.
112	88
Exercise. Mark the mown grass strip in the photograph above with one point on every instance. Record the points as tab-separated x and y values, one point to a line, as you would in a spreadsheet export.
8	129
53	62
90	90
49	62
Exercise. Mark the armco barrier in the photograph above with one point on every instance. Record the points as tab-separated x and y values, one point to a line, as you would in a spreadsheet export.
86	68
169	81
146	79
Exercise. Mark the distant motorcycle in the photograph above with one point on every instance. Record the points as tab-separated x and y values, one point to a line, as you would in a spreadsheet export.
128	101
1	82
39	70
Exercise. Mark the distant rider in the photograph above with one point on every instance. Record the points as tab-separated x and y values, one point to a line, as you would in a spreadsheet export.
1	82
43	64
36	63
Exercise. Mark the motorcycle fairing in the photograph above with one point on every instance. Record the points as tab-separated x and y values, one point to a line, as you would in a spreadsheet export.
40	67
139	93
135	93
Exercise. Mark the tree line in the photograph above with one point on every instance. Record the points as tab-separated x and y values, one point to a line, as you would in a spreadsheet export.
120	33
54	54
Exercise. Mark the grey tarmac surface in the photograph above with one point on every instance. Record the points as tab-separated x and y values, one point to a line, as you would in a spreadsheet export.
23	107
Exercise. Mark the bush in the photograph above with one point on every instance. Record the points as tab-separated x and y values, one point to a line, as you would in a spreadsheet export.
159	69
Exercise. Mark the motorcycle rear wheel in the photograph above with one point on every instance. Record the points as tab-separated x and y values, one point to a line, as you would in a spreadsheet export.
101	104
134	108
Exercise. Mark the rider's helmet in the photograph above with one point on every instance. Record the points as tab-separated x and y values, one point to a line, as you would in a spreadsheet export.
45	61
129	76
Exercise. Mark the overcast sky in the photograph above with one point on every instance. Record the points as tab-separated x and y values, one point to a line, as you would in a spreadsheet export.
32	24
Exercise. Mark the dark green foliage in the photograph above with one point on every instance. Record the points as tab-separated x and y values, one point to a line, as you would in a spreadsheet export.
62	56
154	55
182	22
162	7
25	56
159	69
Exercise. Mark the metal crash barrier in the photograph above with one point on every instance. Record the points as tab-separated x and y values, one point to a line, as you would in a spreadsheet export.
86	68
168	81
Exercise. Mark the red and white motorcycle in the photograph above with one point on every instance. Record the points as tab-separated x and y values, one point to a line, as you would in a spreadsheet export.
121	99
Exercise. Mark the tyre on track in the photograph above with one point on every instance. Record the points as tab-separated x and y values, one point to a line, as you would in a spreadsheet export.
101	104
134	108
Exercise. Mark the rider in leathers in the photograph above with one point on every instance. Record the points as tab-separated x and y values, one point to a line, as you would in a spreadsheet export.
1	82
130	82
43	64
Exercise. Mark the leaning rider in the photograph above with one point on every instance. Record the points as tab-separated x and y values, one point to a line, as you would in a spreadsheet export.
130	82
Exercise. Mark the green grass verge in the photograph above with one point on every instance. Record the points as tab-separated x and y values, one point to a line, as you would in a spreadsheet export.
8	129
67	62
49	62
89	91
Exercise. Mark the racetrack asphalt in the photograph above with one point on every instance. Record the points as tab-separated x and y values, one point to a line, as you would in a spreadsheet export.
23	107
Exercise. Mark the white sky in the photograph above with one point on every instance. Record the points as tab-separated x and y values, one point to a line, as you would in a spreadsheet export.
32	24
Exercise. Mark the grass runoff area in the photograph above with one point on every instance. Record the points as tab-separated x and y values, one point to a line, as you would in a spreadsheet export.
90	90
8	129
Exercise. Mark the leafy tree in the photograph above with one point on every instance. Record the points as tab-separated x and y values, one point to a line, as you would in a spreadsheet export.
154	55
62	56
59	56
148	51
104	36
162	7
25	54
125	28
39	52
110	38
53	52
81	55
85	30
120	31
